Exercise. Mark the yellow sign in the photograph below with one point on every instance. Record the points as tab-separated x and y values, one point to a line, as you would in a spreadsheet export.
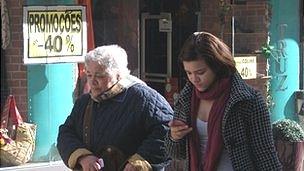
54	34
246	66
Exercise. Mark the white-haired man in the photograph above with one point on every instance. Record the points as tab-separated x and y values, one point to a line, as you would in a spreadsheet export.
120	124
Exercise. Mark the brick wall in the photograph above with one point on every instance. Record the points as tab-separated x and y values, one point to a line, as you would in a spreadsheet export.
16	70
251	21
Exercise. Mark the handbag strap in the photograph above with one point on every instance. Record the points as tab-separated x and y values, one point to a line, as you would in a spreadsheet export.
111	155
10	115
87	122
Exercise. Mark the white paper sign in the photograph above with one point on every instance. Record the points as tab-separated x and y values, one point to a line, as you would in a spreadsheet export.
246	66
54	34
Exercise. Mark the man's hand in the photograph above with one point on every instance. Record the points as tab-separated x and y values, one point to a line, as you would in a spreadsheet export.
89	163
130	167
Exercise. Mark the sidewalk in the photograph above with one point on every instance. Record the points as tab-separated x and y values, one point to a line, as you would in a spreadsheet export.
42	166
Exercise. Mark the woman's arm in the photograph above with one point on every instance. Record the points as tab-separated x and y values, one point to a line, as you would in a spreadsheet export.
262	143
177	149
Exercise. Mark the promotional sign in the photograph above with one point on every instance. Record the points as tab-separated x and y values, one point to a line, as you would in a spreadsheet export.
54	34
246	66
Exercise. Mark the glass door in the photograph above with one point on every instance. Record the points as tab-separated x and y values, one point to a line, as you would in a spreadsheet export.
156	59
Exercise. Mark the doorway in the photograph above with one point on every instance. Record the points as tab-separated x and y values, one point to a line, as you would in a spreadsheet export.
164	26
156	48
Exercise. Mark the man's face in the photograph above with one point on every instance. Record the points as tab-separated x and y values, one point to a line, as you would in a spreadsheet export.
98	78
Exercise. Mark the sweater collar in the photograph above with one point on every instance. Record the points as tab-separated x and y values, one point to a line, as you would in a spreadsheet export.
116	91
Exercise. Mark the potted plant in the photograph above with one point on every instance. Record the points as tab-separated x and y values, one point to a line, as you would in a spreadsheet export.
289	141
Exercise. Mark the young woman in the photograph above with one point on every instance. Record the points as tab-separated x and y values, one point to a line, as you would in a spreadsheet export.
220	122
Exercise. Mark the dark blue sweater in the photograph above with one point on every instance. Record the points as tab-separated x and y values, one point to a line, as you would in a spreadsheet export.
135	121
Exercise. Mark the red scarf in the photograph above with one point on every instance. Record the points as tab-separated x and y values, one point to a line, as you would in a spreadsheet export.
220	94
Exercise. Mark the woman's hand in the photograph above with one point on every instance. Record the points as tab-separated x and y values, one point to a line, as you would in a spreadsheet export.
89	163
178	129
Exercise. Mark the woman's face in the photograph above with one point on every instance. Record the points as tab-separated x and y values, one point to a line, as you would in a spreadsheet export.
98	78
199	74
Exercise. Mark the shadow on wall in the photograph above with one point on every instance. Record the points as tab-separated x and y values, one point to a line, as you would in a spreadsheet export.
289	109
39	78
4	86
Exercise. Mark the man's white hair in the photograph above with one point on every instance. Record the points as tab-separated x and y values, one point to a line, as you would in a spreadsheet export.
112	57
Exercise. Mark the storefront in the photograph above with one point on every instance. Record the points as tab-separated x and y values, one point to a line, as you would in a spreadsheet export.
152	32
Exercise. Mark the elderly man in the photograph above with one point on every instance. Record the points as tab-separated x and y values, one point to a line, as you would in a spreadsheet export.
120	124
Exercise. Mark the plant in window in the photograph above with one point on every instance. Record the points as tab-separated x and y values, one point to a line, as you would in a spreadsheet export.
266	51
224	9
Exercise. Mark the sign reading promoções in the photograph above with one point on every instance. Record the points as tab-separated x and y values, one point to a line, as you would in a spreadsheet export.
54	34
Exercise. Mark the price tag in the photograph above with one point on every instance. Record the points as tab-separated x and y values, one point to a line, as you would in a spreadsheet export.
246	66
54	34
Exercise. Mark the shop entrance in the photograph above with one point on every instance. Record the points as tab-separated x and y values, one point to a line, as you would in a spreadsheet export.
156	57
161	37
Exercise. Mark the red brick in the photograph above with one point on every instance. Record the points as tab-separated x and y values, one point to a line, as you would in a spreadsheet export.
17	43
21	103
15	3
11	51
22	67
17	12
19	75
12	67
13	83
16	20
23	98
16	59
23	83
9	75
17	37
16	29
19	91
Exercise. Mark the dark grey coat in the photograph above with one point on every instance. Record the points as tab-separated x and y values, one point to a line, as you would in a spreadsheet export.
246	129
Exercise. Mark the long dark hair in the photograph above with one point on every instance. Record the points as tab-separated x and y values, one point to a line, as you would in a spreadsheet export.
216	54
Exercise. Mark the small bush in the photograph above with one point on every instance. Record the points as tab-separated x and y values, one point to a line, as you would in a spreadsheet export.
287	130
